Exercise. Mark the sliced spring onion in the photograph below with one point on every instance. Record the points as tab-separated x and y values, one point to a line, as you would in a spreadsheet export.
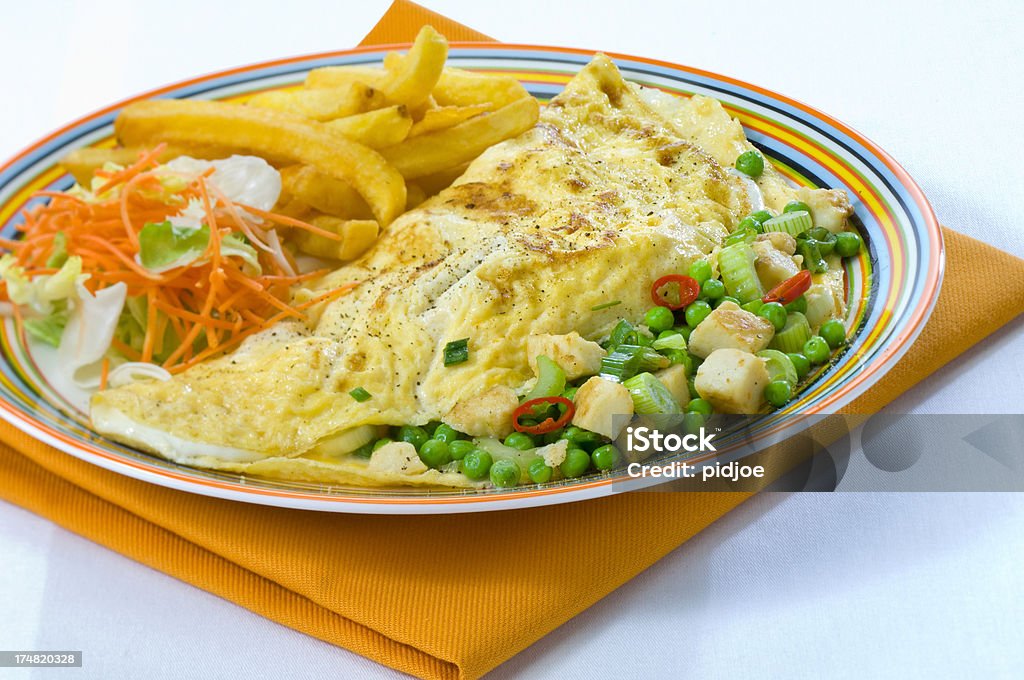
650	395
780	366
456	352
628	360
736	264
620	333
792	223
605	305
674	341
813	261
550	379
793	335
360	394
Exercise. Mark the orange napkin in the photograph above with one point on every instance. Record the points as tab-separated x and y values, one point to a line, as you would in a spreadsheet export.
439	596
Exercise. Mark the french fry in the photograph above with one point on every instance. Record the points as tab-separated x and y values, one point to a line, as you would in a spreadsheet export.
83	163
376	129
444	117
340	76
322	104
456	87
307	185
417	112
273	135
414	195
410	78
356	238
437	151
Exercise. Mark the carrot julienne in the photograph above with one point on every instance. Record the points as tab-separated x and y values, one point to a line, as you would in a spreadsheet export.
191	312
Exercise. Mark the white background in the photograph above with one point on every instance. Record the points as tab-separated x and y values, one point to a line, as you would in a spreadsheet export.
837	585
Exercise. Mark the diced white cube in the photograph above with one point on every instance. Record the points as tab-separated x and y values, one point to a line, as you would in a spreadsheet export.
597	402
728	326
733	381
488	414
576	355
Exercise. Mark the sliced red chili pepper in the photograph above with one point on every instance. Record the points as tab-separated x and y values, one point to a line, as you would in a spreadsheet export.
548	425
689	289
790	289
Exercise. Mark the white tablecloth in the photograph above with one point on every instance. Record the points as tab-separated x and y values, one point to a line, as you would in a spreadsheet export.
836	585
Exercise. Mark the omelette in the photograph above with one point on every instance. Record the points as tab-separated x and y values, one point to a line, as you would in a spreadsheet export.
557	232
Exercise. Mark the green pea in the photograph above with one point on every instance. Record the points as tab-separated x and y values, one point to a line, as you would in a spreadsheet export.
727	298
794	206
693	421
816	350
697	312
539	471
430	427
413	435
778	393
446	433
605	457
798	305
750	163
680	357
553	436
476	464
685	332
582	438
712	289
381	442
775	313
700	270
459	448
659	319
667	334
847	244
801	363
364	451
505	473
570	393
435	453
701	406
762	216
750	222
575	464
834	333
519	441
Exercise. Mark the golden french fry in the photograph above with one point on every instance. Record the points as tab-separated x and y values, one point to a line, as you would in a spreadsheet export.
393	61
437	151
340	76
414	195
376	129
410	78
445	117
417	112
83	163
456	87
307	185
321	104
356	238
273	135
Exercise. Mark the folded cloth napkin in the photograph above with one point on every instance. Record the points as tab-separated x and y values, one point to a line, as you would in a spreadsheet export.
440	596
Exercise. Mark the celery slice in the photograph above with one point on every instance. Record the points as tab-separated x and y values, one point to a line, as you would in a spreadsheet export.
650	395
793	335
736	265
793	223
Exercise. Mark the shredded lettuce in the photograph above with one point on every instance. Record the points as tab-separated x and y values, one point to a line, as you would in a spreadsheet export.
238	246
39	293
49	328
164	246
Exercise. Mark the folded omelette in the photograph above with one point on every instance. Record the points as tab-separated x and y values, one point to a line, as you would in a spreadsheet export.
615	186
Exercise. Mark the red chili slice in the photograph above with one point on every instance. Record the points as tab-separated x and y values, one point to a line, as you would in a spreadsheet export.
548	425
689	289
790	289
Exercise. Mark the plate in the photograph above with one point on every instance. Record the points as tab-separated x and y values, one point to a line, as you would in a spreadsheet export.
891	288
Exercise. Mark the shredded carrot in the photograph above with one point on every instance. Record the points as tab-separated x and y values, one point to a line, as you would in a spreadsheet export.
208	306
104	372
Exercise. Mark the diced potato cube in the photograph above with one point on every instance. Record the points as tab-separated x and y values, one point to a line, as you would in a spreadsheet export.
488	414
773	266
829	207
730	326
674	378
576	355
399	458
780	240
733	381
597	401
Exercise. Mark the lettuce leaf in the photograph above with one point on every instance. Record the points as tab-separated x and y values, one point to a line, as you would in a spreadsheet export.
164	246
50	328
238	246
